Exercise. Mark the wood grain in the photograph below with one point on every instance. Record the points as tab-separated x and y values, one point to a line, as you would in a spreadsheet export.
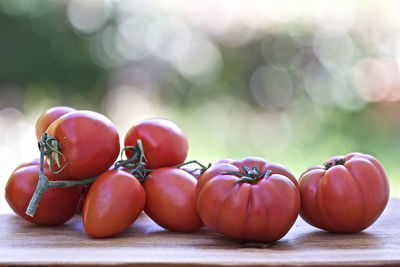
146	244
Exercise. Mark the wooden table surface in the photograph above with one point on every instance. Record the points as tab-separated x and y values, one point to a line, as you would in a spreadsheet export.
145	243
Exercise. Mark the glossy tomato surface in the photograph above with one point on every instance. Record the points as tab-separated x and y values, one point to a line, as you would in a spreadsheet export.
164	143
263	209
56	206
170	199
48	117
346	195
35	161
89	141
113	203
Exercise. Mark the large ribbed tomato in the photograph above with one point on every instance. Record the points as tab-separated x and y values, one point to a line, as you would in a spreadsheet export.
248	199
89	142
346	195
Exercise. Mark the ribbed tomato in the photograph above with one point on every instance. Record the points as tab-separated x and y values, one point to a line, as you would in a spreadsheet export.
346	195
248	199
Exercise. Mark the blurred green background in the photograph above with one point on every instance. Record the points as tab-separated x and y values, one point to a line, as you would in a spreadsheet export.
295	83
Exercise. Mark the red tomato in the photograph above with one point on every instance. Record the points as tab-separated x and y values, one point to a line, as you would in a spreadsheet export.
249	162
56	206
261	208
48	117
164	143
112	204
89	142
346	195
33	162
170	200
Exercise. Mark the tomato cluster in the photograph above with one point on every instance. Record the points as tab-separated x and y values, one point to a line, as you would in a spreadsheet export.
249	199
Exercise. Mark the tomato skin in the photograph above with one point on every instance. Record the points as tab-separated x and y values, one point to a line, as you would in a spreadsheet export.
89	142
345	198
113	203
164	143
56	206
48	117
35	161
170	200
233	165
264	211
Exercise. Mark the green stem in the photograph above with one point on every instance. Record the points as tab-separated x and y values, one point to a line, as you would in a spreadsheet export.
202	168
44	183
190	162
251	176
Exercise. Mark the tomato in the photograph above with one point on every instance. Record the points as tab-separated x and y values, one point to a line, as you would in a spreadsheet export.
170	199
48	117
249	162
112	204
35	161
56	206
346	195
248	199
89	142
164	143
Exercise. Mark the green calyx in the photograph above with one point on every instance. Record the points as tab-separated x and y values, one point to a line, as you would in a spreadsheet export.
340	161
135	164
52	146
251	176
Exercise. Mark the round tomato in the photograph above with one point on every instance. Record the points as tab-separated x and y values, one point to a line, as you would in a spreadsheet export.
113	203
346	195
170	199
89	142
56	206
48	117
248	199
35	161
164	143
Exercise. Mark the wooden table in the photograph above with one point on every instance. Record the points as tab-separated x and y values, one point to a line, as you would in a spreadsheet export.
145	243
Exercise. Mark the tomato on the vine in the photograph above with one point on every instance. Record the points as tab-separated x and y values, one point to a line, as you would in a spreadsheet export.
248	199
164	143
48	117
346	195
113	203
56	206
170	199
88	141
